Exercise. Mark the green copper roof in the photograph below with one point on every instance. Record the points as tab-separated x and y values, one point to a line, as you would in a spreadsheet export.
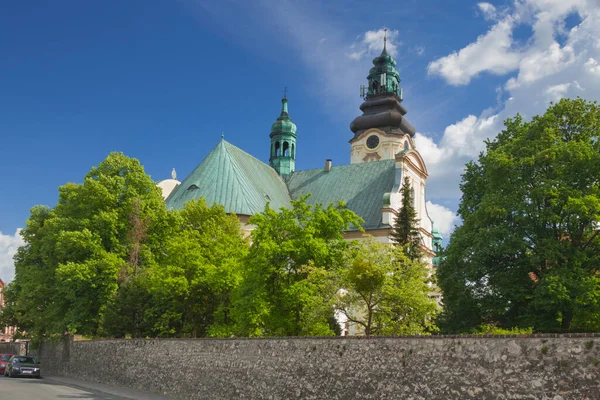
361	186
235	179
284	123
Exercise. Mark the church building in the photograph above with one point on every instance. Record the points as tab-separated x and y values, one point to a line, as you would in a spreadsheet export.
382	154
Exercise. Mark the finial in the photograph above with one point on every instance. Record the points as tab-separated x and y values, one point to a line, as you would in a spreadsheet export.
222	135
174	174
285	92
384	37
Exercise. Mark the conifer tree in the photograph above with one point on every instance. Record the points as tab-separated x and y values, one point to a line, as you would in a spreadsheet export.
405	232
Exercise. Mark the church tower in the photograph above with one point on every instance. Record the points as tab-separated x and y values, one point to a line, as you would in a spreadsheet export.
283	142
382	131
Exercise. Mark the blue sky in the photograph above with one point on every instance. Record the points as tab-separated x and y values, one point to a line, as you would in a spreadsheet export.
161	80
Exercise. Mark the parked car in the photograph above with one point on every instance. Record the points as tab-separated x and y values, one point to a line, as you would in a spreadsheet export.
22	366
3	361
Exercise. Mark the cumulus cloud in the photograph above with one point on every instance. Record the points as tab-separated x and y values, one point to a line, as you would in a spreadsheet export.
592	66
492	52
8	248
497	52
371	43
443	218
488	10
554	63
556	92
539	63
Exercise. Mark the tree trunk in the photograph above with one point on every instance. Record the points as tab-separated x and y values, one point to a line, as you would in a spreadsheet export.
566	321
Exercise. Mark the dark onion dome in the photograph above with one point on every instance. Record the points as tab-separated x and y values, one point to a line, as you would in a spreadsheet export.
383	97
382	111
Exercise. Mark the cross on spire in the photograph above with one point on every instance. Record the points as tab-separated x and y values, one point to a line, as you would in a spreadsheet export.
285	92
384	37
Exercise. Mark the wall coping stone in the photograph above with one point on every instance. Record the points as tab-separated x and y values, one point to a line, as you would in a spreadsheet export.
417	337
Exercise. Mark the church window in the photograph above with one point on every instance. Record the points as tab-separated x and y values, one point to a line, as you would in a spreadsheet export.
286	148
406	147
277	145
293	151
193	187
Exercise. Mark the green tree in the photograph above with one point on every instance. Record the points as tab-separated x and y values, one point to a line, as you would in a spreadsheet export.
201	267
405	232
287	288
526	254
77	254
384	292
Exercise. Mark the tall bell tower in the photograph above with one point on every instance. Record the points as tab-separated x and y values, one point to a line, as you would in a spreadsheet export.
381	131
283	142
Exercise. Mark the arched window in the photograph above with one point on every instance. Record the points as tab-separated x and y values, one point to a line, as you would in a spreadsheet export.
277	149
286	148
193	187
293	151
406	147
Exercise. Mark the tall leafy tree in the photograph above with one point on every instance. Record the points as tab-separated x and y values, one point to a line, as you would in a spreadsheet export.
200	268
405	232
527	251
78	253
384	292
287	288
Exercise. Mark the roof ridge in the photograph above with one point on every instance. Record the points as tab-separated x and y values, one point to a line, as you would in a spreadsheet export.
345	165
246	153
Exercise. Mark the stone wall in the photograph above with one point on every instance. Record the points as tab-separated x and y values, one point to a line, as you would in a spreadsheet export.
19	348
548	367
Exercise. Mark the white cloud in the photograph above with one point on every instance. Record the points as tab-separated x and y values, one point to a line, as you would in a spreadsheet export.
497	52
443	218
492	52
592	66
371	44
461	142
541	63
488	10
8	248
556	92
554	63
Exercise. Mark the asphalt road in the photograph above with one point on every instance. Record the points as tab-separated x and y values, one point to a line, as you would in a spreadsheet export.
63	388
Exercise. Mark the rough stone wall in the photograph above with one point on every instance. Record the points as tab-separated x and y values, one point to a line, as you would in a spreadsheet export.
555	368
19	348
54	356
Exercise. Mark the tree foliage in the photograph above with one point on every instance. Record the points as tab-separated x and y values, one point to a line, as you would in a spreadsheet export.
405	232
78	252
202	266
287	288
527	252
384	292
110	260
